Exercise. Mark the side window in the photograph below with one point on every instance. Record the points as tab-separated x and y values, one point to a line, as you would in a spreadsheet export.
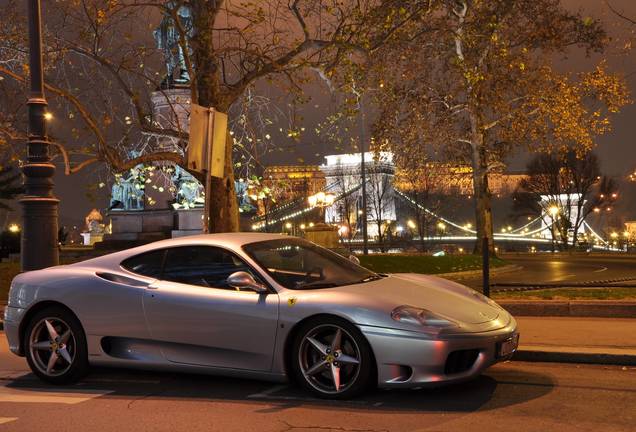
146	264
202	265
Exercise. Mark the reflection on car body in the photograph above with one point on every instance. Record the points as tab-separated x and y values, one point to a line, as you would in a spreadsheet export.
222	304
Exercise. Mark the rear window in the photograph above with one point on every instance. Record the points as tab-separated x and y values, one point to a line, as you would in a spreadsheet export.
146	264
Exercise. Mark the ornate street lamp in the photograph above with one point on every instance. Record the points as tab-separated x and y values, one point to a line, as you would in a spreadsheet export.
321	200
39	247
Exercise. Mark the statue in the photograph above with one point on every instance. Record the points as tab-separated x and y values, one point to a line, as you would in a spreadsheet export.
189	191
167	39
94	221
124	195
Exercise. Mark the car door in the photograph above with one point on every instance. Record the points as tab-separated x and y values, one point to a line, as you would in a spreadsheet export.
200	320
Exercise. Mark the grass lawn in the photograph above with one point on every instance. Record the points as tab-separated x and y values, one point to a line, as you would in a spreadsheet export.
571	294
397	263
7	272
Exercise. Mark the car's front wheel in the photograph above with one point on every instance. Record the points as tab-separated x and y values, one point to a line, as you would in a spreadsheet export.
55	346
332	359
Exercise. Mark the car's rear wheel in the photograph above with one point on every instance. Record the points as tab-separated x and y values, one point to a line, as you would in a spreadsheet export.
332	359
55	346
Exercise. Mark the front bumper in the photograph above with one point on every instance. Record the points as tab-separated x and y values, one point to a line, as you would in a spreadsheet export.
408	359
12	317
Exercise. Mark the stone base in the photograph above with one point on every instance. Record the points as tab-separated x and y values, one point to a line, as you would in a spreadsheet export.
134	227
323	235
144	226
90	239
189	219
185	233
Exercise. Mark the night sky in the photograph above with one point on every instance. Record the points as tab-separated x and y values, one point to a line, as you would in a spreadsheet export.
615	149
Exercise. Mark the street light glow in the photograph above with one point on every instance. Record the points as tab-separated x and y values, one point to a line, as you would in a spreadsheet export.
48	116
14	228
554	210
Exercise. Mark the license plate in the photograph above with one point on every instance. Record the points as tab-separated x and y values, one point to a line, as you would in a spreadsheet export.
507	347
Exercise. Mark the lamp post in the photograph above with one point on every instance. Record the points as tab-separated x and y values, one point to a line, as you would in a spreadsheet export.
39	205
321	200
363	174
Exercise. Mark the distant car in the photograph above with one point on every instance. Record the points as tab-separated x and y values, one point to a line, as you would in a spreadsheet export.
254	305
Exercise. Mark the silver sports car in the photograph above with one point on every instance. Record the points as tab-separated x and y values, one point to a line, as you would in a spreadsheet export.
254	305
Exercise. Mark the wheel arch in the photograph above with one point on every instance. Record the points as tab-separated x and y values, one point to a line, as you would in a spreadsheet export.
289	341
24	322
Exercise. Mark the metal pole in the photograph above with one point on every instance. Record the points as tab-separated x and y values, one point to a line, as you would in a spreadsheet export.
206	172
39	247
365	241
485	267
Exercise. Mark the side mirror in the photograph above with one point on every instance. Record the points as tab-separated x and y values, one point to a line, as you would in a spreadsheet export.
244	280
354	259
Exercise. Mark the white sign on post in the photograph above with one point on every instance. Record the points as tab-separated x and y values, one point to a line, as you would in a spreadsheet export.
219	134
206	148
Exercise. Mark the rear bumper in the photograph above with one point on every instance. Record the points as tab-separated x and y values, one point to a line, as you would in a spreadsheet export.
12	317
406	359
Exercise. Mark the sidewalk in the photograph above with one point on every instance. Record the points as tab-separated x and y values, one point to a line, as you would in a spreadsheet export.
570	308
577	340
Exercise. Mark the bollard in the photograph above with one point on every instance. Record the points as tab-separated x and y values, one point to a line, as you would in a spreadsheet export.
485	253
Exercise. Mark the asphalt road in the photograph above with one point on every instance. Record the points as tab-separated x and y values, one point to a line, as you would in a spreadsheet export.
511	396
563	269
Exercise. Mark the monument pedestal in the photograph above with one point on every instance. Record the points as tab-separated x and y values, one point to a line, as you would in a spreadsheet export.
324	235
89	239
140	225
188	222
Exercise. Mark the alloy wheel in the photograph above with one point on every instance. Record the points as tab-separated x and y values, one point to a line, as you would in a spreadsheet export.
329	359
52	346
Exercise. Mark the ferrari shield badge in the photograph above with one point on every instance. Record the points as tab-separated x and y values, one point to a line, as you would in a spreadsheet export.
291	301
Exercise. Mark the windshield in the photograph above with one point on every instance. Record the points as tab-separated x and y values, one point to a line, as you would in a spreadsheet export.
298	264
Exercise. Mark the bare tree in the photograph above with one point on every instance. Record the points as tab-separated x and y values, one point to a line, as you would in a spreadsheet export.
564	189
420	181
381	196
345	181
102	68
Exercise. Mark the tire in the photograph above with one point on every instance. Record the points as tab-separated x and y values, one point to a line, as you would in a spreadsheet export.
40	346
318	360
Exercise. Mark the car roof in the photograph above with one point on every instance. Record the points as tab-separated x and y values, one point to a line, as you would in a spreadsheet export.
232	241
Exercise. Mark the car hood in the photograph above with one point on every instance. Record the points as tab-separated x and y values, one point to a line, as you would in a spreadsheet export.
440	296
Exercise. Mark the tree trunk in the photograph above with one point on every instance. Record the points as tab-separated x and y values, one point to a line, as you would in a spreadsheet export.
223	204
223	207
483	210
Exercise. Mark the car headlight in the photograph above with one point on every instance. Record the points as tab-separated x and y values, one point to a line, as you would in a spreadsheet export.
423	318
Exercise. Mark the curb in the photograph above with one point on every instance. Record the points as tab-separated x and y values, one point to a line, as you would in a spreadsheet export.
601	283
572	308
575	356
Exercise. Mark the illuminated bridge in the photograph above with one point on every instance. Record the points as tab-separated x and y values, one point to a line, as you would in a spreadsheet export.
291	217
